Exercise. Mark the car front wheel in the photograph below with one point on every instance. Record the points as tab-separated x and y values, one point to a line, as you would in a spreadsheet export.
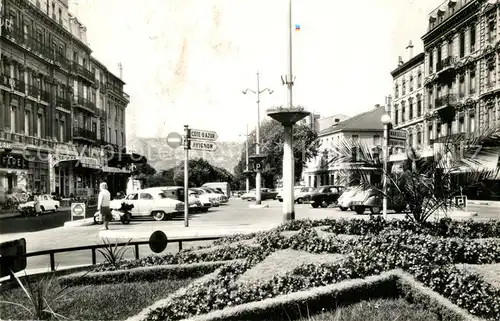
158	215
300	200
324	204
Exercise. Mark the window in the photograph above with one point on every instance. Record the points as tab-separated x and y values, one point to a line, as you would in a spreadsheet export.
462	44
376	140
430	132
461	86
403	107
431	60
146	196
473	39
429	95
450	48
13	114
61	131
123	140
403	90
94	127
396	115
419	138
410	107
132	197
419	106
60	16
38	125
439	53
27	123
439	127
410	139
396	91
109	135
419	80
411	83
472	82
116	137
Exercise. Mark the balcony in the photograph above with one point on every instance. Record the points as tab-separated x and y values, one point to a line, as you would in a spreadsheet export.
39	47
62	61
85	104
14	34
63	103
83	133
18	85
445	63
5	81
446	100
83	72
33	91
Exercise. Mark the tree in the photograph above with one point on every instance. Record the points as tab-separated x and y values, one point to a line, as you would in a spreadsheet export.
305	147
143	170
201	172
427	184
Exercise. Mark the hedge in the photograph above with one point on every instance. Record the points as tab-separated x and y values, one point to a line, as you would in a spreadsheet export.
426	257
142	274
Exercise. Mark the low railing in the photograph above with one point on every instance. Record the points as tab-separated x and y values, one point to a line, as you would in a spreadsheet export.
79	132
51	253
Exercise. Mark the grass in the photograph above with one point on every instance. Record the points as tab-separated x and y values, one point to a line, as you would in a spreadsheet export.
376	310
103	302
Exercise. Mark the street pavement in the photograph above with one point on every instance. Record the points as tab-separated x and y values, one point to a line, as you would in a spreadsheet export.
45	232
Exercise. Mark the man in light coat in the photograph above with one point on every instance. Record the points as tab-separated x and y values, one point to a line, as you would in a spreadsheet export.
103	205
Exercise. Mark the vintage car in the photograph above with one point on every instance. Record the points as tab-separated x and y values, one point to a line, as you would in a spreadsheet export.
150	202
324	196
177	193
372	201
348	196
299	192
265	194
47	204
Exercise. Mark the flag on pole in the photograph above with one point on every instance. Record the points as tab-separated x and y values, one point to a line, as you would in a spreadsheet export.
297	27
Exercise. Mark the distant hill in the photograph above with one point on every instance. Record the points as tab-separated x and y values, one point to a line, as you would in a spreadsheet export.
162	157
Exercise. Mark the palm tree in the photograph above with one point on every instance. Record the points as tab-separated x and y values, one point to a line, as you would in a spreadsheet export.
427	184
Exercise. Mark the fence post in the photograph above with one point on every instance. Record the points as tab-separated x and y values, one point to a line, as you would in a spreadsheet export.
52	262
93	256
180	246
136	251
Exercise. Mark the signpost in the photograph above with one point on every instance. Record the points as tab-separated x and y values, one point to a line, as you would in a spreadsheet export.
77	209
397	138
196	139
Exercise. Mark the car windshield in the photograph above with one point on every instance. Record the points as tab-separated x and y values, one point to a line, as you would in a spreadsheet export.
304	189
162	195
321	190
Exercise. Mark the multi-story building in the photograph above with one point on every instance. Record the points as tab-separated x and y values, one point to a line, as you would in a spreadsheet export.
407	110
365	128
62	112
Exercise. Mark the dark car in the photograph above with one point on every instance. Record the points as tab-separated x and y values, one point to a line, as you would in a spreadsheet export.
373	202
324	196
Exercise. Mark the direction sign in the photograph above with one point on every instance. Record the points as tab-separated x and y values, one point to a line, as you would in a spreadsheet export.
398	134
397	142
203	145
203	134
77	209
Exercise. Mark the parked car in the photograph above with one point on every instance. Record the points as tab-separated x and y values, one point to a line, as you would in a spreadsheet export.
265	194
324	196
373	201
225	187
348	196
47	203
150	202
177	193
299	192
202	197
212	197
218	193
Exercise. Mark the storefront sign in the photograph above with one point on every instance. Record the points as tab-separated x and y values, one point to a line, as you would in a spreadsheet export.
5	145
13	161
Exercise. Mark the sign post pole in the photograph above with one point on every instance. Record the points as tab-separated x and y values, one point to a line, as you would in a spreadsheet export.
186	175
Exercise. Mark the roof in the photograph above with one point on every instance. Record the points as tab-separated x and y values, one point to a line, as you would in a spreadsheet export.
367	121
418	59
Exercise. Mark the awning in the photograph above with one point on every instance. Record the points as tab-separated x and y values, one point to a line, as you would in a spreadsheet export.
13	171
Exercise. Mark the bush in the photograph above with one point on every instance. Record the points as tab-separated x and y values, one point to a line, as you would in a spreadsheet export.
144	274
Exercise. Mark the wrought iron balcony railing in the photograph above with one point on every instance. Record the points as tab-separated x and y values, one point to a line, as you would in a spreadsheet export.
445	63
33	91
85	103
82	71
450	99
83	133
63	103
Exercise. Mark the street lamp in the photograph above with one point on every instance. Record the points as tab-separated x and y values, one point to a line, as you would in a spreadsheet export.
258	196
386	120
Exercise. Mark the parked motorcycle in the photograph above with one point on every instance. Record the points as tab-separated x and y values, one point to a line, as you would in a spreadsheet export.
122	214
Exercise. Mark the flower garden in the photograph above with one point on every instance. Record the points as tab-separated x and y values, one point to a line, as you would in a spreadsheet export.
301	270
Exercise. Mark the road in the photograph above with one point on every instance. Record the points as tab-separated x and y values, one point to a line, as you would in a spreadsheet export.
44	232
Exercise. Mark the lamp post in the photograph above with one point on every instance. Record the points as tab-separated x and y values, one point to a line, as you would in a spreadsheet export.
386	120
258	177
288	116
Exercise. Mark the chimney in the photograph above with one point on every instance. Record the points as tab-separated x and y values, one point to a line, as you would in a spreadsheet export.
120	68
410	50
400	61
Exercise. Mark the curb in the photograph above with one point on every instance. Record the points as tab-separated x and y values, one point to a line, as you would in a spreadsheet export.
82	222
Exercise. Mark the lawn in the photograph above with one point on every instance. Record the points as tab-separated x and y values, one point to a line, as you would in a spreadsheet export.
101	302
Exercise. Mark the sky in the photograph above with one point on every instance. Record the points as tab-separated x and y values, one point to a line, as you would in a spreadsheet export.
186	62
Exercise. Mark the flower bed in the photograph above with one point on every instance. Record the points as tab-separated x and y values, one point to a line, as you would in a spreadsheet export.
427	257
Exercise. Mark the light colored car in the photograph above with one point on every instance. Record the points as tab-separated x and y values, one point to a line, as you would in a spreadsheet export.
345	200
47	203
221	197
177	193
298	193
250	195
212	197
150	202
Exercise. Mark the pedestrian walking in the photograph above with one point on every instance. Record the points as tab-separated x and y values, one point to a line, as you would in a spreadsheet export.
37	205
103	205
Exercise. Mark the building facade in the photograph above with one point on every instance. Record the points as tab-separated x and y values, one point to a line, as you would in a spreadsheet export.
365	128
407	110
62	112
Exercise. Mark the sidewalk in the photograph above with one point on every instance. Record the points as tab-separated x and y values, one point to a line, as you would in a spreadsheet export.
487	203
7	214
